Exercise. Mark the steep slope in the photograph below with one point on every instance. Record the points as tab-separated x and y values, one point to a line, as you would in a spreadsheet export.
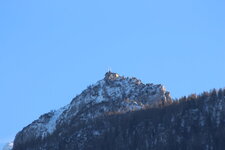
113	95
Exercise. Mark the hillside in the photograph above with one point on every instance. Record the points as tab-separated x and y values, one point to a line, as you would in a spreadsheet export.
120	113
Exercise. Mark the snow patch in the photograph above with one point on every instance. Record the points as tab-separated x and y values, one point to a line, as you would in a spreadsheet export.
96	133
8	146
51	125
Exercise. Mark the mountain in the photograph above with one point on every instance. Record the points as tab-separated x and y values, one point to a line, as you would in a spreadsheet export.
120	113
8	146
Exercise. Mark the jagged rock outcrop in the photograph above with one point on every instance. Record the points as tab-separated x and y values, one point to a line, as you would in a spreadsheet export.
113	95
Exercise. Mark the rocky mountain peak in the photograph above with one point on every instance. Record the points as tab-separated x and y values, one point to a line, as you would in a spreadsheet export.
111	76
114	93
121	112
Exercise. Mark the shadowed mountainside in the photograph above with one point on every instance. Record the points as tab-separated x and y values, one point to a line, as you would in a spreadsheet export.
120	113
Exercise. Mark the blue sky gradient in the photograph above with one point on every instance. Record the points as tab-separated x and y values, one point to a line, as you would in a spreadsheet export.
51	50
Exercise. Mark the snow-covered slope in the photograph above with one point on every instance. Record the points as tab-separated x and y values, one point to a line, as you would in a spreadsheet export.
114	93
8	146
106	116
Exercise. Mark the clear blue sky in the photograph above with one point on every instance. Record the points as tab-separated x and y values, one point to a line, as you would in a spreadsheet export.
51	50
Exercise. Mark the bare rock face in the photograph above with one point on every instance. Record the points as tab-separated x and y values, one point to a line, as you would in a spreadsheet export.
113	94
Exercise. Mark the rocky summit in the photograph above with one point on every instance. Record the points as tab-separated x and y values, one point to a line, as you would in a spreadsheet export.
111	95
122	113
